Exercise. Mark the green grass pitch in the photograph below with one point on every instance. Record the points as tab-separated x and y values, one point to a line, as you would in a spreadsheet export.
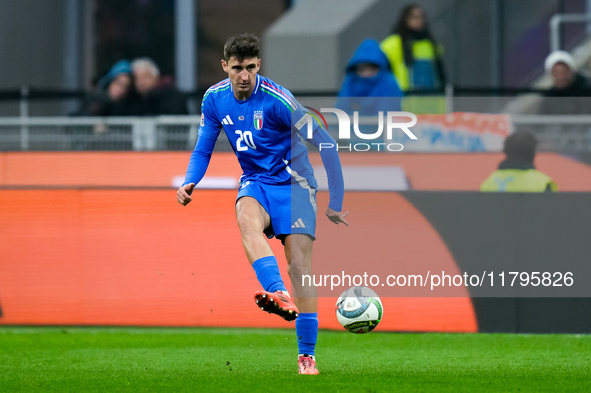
70	359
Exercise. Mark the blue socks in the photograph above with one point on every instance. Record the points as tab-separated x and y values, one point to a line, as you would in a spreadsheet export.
307	332
267	272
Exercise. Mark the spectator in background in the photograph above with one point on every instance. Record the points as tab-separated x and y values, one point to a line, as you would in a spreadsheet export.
369	85
154	98
517	172
110	98
111	93
414	55
568	87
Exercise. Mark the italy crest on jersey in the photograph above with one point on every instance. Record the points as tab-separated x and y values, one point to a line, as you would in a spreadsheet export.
258	120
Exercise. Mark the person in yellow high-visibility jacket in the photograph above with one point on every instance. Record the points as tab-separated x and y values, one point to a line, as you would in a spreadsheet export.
414	55
517	172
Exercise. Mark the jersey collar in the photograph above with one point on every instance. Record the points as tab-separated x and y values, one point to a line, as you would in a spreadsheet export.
256	87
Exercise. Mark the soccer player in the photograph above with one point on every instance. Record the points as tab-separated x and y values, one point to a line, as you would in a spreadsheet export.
277	194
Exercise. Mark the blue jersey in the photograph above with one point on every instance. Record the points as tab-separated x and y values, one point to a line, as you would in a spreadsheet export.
262	132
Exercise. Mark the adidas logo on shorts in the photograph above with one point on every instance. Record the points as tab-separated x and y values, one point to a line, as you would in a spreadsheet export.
298	224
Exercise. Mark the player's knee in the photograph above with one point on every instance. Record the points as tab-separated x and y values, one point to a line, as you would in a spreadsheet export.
241	220
249	223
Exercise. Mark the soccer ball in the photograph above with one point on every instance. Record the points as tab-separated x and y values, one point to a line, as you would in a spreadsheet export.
359	310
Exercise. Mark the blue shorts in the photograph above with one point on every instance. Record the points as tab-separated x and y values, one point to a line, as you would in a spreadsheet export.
292	208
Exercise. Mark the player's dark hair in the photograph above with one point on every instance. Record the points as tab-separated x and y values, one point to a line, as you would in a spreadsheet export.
521	144
241	46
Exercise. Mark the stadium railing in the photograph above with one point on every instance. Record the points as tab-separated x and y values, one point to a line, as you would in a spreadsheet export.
92	133
556	133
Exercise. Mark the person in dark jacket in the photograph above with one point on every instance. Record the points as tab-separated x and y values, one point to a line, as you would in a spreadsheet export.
111	93
109	98
414	54
570	90
153	97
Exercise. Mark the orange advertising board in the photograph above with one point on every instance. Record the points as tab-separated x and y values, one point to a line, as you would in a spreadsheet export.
136	257
425	171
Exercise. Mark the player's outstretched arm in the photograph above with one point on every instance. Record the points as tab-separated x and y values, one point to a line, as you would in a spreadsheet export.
198	164
334	172
183	194
337	217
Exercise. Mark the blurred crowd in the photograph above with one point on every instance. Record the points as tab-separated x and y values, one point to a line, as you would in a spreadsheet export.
410	58
377	76
133	88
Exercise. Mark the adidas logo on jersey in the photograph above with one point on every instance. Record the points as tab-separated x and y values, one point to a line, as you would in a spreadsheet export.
298	224
227	120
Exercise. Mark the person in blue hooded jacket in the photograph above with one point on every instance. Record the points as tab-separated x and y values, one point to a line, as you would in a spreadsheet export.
369	86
